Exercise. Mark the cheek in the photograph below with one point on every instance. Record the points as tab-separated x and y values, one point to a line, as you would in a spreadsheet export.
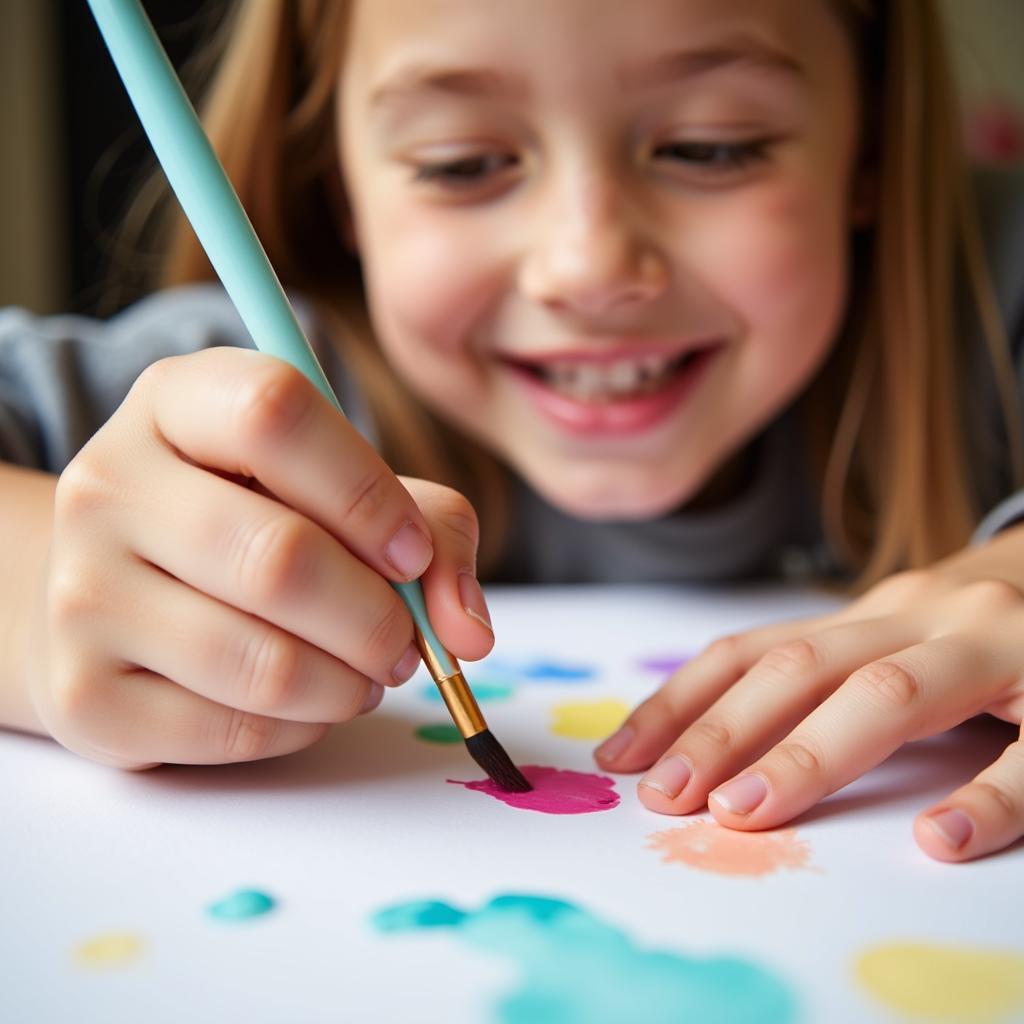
781	268
426	284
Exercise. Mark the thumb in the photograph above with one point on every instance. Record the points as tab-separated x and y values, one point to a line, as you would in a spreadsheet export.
455	601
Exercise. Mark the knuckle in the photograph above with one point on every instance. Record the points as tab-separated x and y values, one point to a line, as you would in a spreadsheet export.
388	635
793	659
271	556
727	651
245	736
371	496
803	755
1005	802
714	734
271	672
903	587
270	404
86	485
889	685
459	518
991	595
71	598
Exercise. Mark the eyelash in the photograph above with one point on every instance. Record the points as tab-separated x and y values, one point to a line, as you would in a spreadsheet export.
703	157
712	157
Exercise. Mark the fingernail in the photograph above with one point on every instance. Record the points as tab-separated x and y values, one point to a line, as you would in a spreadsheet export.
615	746
406	667
410	551
953	826
742	794
472	597
373	697
668	777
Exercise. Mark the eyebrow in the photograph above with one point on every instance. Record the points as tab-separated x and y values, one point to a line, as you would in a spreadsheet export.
668	69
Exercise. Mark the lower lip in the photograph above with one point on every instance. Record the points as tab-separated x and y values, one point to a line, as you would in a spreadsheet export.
611	418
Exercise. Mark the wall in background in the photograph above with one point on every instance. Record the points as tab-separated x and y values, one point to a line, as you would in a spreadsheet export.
73	153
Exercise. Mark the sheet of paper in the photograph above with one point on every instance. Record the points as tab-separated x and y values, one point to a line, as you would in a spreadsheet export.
355	882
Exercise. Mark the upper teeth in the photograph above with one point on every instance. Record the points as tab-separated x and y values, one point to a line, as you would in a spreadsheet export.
591	380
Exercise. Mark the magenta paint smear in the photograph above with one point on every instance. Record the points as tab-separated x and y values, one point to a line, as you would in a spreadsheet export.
555	791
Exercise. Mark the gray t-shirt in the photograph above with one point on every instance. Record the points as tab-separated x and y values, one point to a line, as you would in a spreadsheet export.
62	377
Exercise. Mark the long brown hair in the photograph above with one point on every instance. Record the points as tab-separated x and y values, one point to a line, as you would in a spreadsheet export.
885	418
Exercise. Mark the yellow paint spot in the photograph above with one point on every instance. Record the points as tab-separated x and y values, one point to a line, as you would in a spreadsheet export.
114	949
590	719
943	983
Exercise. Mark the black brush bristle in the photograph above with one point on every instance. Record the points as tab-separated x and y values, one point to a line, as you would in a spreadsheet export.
491	756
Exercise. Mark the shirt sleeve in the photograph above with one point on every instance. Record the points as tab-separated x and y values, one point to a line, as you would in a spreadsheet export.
63	377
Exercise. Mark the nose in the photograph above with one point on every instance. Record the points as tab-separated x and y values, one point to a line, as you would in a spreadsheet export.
589	256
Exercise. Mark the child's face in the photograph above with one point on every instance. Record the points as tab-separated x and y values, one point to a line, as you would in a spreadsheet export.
606	239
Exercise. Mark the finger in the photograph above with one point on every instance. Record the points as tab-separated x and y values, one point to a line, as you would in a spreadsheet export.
780	689
254	415
455	601
908	695
984	816
259	556
136	719
687	693
230	657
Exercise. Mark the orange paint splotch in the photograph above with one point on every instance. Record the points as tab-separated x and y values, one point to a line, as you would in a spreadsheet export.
709	846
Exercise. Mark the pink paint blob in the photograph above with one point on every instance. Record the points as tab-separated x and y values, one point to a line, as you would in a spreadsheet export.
555	791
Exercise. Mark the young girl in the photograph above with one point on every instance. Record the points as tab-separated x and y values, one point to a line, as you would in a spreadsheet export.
669	290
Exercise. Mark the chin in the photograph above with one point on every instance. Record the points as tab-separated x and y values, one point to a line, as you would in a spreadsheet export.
625	500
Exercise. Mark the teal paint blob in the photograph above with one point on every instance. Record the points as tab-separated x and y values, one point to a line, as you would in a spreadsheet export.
577	969
482	691
242	905
441	732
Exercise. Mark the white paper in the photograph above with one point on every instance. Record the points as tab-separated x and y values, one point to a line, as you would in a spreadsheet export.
366	820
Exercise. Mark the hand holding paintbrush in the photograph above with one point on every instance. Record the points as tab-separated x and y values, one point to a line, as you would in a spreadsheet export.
319	440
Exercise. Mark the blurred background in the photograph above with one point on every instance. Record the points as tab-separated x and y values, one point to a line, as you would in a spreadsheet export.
74	155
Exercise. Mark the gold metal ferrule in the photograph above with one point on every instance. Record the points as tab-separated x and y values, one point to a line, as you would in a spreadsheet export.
455	691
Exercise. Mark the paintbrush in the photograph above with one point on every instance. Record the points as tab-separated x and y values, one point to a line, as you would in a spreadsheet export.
228	238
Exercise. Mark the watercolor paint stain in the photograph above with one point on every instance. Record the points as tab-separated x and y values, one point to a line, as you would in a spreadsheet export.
555	791
664	664
439	732
242	905
483	691
111	949
588	720
708	846
575	968
943	983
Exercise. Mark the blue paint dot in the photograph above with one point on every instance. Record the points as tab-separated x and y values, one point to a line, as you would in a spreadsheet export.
242	905
560	672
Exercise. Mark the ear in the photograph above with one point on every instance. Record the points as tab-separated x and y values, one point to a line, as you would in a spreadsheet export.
864	198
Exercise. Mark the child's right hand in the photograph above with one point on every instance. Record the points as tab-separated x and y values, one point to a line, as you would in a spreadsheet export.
217	586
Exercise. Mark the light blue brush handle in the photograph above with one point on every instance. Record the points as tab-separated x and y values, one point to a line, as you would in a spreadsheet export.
216	215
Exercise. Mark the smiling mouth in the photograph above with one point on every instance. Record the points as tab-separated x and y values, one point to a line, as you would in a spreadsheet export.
604	381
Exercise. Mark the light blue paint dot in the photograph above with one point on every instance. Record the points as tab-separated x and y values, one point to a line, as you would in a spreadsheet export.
242	905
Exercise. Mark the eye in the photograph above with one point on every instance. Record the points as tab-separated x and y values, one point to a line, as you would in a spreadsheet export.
468	170
708	157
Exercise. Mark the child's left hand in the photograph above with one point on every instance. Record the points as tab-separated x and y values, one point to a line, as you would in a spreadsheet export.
807	707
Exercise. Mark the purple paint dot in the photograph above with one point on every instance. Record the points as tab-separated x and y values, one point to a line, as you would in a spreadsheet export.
555	791
665	663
